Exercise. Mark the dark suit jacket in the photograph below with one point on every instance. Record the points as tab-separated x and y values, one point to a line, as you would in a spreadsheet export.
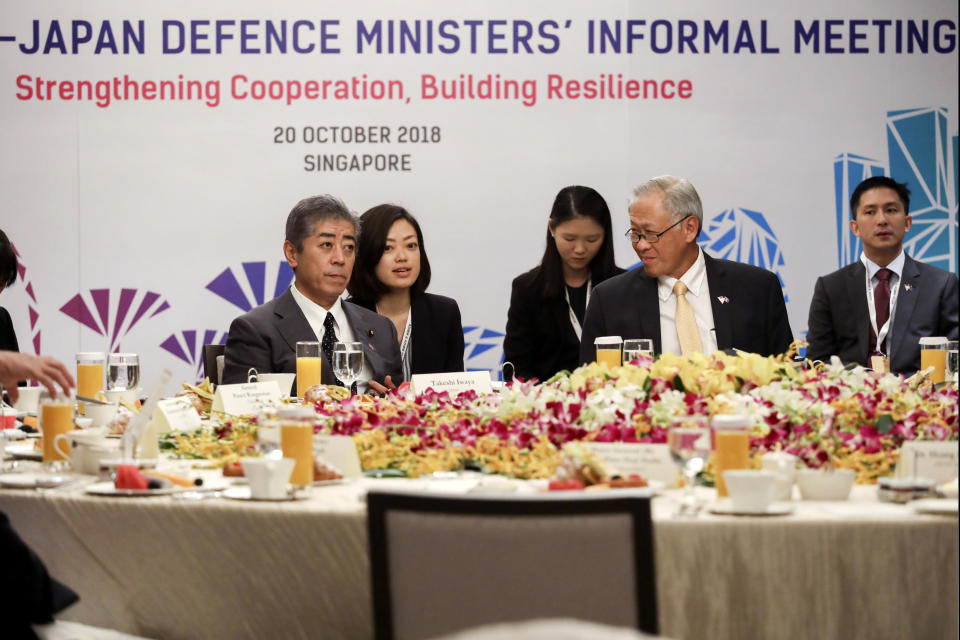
839	321
753	318
437	333
540	340
8	337
266	339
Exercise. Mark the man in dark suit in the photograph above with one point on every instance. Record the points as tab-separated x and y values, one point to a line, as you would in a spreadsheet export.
320	246
904	301
681	298
8	275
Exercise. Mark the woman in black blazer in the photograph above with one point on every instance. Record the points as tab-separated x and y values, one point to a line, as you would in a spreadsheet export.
548	303
390	276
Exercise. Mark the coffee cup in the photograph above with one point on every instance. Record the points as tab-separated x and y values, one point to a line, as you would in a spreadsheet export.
785	466
28	400
751	491
100	414
87	448
114	396
268	477
284	381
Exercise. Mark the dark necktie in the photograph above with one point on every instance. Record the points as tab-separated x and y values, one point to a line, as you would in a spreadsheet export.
881	302
329	339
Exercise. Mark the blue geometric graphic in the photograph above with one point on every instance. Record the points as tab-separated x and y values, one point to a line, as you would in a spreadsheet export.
744	236
920	153
187	347
251	291
483	350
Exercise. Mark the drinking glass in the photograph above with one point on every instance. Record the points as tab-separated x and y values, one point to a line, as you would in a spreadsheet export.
89	373
123	371
933	353
689	443
633	348
347	362
952	361
608	350
56	417
308	366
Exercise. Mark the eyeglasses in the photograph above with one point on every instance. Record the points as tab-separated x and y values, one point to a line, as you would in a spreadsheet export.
651	238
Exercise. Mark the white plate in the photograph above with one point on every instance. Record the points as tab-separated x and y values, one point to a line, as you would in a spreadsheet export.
33	480
326	483
107	489
243	493
25	451
945	506
725	508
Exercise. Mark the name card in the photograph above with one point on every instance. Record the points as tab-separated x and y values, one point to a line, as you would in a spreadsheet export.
927	459
245	399
652	461
340	451
175	414
454	383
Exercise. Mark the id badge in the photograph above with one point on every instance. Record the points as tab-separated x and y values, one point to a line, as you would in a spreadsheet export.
880	363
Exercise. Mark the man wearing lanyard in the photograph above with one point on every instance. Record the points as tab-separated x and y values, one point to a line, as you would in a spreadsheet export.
875	311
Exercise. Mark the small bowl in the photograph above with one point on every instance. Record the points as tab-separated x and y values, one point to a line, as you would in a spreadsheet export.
816	484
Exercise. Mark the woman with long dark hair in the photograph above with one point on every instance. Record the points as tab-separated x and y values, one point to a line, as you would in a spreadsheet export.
390	276
547	303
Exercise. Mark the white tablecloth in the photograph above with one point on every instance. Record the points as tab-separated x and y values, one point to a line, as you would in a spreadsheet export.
173	568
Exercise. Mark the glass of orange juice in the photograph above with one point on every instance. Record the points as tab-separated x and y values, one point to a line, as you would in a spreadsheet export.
56	418
933	353
608	350
308	366
296	442
90	373
731	447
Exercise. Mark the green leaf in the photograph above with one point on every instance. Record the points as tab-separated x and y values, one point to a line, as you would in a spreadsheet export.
678	383
884	423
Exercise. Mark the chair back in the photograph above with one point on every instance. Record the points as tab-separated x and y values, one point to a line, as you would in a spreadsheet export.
442	564
210	354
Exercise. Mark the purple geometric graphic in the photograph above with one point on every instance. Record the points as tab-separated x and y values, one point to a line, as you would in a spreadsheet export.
79	309
186	347
32	310
251	291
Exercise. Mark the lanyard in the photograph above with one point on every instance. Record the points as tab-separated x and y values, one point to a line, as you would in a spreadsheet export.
405	345
871	307
573	316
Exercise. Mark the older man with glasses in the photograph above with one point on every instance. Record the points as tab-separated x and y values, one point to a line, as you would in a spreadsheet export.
681	298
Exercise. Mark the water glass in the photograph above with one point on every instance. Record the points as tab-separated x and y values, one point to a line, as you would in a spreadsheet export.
952	361
348	362
635	347
689	441
123	371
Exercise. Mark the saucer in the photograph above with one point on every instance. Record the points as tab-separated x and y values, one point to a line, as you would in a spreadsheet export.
725	508
33	480
944	506
243	493
24	451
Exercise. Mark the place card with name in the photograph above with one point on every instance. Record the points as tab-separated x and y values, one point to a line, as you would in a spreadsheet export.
454	383
652	461
928	459
245	399
175	414
340	451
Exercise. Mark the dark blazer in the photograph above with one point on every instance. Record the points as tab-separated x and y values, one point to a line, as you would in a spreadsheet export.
437	333
839	321
8	337
747	303
540	340
266	339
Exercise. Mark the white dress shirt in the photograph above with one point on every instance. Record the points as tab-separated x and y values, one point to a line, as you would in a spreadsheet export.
896	266
698	295
316	314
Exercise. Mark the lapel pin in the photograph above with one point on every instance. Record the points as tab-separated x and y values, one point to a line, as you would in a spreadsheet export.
370	332
907	287
723	299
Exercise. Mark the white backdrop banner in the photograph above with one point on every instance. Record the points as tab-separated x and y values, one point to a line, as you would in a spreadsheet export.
150	152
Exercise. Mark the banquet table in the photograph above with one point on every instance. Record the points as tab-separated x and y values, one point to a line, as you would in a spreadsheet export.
171	567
